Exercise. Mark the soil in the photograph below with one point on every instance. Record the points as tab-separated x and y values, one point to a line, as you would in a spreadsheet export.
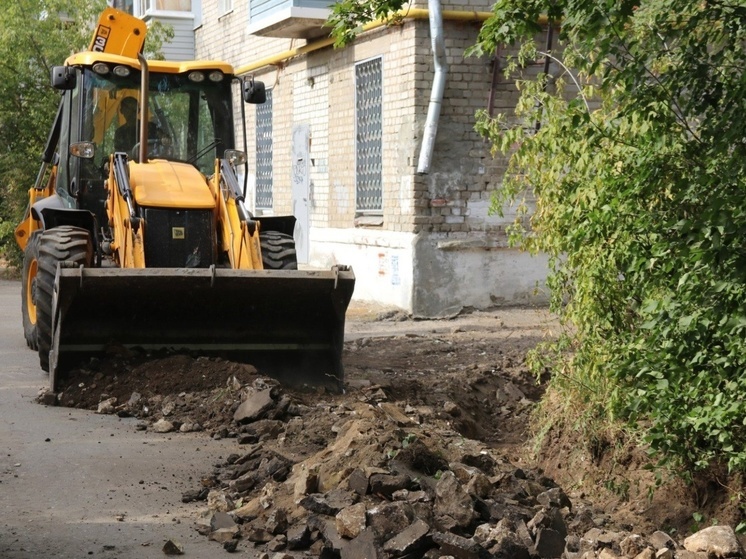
454	380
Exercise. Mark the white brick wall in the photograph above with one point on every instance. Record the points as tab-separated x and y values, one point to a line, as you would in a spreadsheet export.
450	203
311	106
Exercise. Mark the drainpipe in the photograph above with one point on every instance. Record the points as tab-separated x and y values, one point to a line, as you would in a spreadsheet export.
439	84
436	16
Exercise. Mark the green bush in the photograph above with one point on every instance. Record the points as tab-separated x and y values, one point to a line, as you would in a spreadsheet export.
34	36
638	174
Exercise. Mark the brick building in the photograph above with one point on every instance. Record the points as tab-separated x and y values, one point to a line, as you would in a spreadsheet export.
338	144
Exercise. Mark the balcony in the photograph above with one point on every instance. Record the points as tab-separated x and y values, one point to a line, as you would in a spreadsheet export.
292	19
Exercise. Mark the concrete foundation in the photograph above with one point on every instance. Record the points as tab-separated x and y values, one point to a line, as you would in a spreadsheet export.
432	275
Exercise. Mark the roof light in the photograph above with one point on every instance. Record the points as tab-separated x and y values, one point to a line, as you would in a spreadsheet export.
216	76
196	77
122	71
101	68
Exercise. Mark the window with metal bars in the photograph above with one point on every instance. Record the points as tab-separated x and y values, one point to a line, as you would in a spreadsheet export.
368	137
264	154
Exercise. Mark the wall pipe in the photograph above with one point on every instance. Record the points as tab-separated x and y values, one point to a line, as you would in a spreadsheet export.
438	88
436	17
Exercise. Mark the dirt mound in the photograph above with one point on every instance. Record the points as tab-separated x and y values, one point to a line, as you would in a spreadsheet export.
469	377
193	391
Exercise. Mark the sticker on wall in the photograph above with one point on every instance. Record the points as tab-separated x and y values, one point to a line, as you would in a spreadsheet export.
381	264
395	279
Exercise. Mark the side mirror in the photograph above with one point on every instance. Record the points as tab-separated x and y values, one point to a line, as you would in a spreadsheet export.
63	77
235	157
253	91
83	150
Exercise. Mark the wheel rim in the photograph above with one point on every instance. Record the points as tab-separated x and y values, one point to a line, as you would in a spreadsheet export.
31	292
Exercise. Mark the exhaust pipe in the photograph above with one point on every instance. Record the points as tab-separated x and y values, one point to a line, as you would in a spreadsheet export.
144	117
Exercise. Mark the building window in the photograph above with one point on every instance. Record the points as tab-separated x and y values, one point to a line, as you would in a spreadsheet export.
368	137
146	6
124	5
225	6
264	153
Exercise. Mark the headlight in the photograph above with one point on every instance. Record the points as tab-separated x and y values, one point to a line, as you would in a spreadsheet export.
101	68
122	71
216	76
197	77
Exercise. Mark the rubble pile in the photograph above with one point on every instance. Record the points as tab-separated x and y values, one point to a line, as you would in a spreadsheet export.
417	459
388	485
385	485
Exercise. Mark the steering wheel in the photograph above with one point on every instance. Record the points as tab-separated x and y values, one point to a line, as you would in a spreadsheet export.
156	148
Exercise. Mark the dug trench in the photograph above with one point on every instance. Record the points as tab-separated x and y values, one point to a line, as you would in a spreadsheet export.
426	454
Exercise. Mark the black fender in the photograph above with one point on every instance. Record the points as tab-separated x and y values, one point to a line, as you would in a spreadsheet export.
281	223
53	211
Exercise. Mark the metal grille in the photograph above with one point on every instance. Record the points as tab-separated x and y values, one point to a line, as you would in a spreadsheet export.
264	153
368	148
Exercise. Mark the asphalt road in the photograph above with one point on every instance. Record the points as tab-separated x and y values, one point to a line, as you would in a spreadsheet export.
75	484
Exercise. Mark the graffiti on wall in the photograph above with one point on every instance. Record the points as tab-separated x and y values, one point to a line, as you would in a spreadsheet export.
388	265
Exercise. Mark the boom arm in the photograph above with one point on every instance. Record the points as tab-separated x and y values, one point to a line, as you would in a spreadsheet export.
127	244
118	33
229	176
121	177
50	148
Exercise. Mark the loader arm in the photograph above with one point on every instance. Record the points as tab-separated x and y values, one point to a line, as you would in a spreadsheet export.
127	243
240	232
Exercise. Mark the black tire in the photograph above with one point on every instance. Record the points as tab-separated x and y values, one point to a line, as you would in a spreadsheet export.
28	290
60	244
278	251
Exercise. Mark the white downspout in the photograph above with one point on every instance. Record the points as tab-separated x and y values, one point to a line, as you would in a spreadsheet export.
439	84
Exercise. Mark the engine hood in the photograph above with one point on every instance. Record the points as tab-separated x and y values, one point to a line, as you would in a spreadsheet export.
169	184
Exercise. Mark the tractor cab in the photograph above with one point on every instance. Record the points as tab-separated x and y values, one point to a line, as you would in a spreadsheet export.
189	119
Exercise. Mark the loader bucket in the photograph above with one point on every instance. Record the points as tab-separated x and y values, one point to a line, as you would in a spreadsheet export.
288	324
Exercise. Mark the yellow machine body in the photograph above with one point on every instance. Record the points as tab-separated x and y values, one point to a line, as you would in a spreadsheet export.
151	245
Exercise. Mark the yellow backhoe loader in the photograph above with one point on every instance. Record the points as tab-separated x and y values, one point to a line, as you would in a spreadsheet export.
137	233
